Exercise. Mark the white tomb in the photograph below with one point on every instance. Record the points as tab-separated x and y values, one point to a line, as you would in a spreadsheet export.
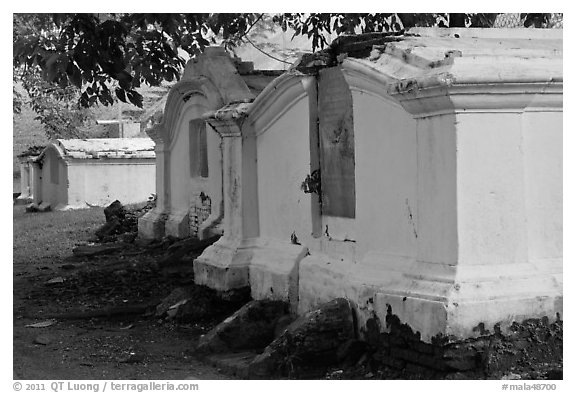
440	162
79	173
190	154
27	173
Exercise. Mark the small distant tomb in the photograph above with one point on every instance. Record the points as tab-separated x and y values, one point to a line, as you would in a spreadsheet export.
79	173
27	161
121	129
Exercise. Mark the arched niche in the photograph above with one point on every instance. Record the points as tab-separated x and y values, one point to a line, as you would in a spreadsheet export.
190	203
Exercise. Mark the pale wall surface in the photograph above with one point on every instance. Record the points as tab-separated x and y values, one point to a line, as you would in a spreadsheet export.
185	190
542	148
83	173
103	181
386	177
283	163
54	191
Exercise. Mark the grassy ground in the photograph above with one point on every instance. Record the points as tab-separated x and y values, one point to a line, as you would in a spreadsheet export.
51	235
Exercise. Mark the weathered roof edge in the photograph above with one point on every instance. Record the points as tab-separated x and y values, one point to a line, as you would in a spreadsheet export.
96	148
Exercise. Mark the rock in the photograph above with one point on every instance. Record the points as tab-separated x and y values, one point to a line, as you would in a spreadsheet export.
235	363
42	340
44	207
31	208
252	327
128	237
176	296
100	249
511	376
55	281
109	228
457	376
120	273
132	358
282	324
555	374
351	351
180	248
42	324
310	341
463	363
114	210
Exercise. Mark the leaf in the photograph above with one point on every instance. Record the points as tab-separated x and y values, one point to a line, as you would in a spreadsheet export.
52	67
121	94
135	98
56	280
76	77
42	324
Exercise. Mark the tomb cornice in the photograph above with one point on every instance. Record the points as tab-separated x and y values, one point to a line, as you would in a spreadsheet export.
278	97
444	93
227	121
478	98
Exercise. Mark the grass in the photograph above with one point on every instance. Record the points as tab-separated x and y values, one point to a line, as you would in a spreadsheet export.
51	235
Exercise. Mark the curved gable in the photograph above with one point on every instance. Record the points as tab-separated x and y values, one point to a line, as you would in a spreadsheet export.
210	77
278	97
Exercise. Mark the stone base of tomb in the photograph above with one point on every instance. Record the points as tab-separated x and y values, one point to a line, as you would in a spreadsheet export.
434	299
455	301
211	227
177	225
528	349
23	200
274	271
323	278
152	224
224	266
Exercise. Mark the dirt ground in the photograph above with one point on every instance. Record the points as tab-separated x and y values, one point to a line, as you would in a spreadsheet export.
98	320
117	345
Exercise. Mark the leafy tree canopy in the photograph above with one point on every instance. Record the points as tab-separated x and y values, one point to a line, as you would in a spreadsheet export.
107	55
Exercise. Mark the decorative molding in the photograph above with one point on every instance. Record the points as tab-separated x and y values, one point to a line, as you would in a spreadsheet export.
177	99
277	98
227	121
56	146
440	93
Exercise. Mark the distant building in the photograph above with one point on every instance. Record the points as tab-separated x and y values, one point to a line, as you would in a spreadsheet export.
79	173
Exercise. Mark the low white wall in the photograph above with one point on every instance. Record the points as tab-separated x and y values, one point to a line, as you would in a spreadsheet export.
100	182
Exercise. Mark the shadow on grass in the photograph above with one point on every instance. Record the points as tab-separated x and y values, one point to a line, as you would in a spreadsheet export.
51	235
